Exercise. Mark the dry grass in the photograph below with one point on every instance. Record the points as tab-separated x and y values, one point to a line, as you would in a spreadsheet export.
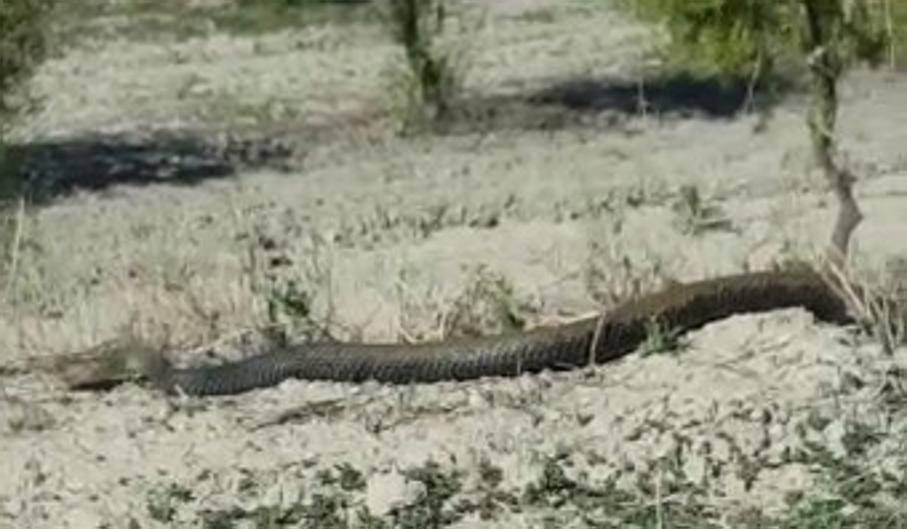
612	277
11	238
877	300
487	303
159	21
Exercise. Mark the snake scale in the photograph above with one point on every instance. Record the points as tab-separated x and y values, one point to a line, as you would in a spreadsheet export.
681	307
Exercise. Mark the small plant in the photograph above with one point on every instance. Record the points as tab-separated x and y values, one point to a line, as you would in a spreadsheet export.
331	504
611	277
488	304
552	488
287	303
23	45
424	91
348	477
660	339
290	293
430	508
855	495
162	503
696	214
604	504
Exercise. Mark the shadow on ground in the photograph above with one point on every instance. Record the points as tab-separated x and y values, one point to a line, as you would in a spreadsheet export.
588	100
681	95
48	169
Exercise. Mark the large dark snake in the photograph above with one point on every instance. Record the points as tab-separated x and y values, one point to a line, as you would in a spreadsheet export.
680	307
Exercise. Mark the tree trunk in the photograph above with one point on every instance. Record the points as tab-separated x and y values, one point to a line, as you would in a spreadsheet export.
825	70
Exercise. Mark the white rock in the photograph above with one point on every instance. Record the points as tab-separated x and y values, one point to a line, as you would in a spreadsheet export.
388	490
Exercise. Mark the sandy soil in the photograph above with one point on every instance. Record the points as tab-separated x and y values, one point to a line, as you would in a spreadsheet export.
384	236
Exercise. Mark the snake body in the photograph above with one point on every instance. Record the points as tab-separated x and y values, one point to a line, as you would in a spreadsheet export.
681	307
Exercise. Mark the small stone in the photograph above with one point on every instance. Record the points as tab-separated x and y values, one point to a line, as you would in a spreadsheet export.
476	400
695	467
834	435
386	491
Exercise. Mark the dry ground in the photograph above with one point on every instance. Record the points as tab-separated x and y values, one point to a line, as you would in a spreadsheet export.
319	219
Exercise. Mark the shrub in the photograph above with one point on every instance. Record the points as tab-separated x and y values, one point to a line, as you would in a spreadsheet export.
825	37
23	45
426	89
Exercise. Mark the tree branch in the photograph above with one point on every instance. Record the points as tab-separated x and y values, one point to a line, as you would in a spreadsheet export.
825	68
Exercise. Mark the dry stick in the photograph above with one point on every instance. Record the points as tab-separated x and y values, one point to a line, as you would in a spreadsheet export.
883	313
659	508
889	29
14	247
755	76
596	336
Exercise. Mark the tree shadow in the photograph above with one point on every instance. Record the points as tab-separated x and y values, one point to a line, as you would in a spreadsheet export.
48	169
612	102
681	95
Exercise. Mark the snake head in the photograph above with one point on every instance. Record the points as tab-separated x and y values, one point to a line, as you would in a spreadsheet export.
110	364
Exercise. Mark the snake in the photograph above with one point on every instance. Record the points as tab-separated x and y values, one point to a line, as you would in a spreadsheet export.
680	307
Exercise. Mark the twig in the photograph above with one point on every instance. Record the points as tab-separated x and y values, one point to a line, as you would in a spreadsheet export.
596	336
885	316
892	44
15	246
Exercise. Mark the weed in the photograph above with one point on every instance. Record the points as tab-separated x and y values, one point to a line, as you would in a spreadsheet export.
423	90
289	292
326	510
162	503
661	339
696	215
347	477
429	509
553	487
855	496
851	496
287	303
490	474
488	304
607	506
23	45
612	278
492	499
